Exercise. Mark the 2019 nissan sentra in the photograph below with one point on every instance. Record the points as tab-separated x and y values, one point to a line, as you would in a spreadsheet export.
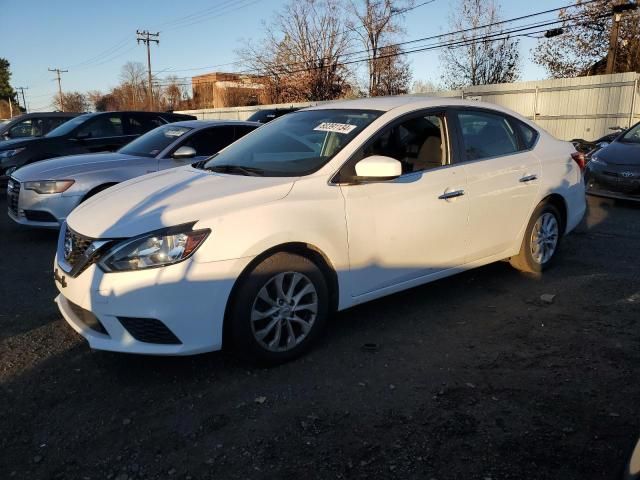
317	211
88	133
44	193
614	171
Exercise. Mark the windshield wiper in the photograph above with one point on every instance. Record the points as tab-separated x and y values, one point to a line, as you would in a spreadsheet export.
248	171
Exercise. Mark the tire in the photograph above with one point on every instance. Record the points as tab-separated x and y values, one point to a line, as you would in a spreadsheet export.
271	327
530	259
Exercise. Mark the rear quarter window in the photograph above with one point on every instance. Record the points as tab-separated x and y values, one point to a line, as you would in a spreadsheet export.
528	135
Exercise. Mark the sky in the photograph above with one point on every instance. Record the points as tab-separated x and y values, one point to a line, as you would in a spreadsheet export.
93	39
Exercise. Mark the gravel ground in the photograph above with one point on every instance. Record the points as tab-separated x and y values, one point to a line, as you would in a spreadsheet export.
475	377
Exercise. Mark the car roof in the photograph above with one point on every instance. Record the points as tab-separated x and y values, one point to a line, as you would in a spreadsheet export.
387	104
214	123
417	102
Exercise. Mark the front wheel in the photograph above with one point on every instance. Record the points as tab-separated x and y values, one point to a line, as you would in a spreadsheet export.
541	240
280	309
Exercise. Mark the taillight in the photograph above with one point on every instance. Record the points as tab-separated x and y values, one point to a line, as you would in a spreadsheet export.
580	159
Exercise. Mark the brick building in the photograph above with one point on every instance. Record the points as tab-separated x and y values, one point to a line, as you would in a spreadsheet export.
218	89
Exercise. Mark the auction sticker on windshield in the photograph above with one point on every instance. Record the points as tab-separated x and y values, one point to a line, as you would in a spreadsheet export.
335	127
175	132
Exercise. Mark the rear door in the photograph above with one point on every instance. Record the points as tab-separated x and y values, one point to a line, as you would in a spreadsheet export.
502	179
104	133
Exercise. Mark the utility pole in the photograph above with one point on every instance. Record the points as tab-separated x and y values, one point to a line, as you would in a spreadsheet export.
58	72
613	43
617	11
145	37
24	102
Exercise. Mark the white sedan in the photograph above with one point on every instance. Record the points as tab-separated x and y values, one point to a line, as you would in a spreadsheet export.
315	212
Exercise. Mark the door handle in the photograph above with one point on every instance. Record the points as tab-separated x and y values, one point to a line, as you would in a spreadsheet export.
453	194
528	178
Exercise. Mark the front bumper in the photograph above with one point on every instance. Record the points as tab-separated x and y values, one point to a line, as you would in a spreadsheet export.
189	298
32	209
607	182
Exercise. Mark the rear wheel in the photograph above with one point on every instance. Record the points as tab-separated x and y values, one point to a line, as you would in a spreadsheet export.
541	240
280	309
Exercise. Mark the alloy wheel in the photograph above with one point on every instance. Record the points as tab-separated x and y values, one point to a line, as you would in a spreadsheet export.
284	311
544	238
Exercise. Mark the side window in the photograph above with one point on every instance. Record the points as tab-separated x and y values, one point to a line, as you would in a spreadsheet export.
528	135
139	124
486	135
242	130
33	127
211	140
418	143
103	126
55	122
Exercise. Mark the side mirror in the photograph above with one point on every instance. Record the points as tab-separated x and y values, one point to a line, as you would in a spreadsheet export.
378	167
184	152
603	144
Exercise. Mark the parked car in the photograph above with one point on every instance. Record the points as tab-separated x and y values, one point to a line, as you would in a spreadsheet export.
614	171
267	114
317	211
88	133
586	146
33	124
44	193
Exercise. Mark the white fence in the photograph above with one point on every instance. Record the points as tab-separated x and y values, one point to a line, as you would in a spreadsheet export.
583	107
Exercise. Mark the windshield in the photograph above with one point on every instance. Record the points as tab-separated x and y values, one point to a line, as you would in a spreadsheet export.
69	125
152	143
296	144
633	135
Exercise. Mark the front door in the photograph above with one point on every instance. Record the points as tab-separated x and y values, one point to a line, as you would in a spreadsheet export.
403	229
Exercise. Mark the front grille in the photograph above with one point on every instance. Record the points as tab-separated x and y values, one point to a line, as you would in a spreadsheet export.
149	330
39	216
13	194
88	318
79	245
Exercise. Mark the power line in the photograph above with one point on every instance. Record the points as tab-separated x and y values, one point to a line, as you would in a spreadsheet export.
351	29
400	44
496	36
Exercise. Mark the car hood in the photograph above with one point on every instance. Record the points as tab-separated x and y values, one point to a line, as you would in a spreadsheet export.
66	167
621	153
171	197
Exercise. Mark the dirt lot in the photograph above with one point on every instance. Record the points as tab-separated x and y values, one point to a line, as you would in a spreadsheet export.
475	377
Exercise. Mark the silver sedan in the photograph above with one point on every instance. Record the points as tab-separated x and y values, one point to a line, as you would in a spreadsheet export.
42	194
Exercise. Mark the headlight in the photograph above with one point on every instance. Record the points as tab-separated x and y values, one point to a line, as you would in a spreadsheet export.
11	153
156	249
48	186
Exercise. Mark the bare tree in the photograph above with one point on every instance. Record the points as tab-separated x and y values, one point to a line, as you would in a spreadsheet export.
482	55
424	86
376	26
582	47
303	51
73	102
132	89
392	72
